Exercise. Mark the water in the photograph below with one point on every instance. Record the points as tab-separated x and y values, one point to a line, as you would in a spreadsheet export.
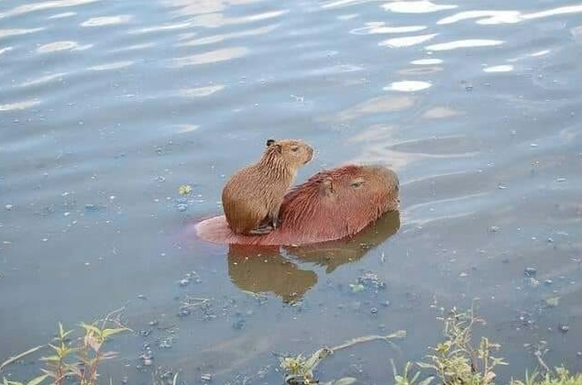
106	108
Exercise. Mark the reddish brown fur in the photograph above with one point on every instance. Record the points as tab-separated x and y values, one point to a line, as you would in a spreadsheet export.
256	192
328	206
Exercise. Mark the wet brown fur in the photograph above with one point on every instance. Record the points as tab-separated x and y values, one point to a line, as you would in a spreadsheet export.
252	197
332	204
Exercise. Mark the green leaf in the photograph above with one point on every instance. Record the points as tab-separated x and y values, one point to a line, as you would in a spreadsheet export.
345	381
426	381
109	332
91	328
423	365
51	358
37	380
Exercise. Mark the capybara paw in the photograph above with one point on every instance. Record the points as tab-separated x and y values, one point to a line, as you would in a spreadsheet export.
261	230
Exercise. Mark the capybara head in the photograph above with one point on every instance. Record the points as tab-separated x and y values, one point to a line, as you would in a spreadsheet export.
295	153
337	203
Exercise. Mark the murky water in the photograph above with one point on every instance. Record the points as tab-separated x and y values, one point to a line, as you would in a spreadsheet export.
107	107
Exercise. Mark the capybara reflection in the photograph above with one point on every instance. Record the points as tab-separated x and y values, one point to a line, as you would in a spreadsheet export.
332	204
252	197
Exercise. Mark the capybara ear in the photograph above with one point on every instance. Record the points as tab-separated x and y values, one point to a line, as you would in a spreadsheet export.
270	142
326	187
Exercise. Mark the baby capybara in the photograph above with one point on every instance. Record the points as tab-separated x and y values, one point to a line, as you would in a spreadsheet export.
332	204
252	197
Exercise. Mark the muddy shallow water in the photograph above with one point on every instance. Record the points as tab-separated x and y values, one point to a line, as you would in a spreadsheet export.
107	107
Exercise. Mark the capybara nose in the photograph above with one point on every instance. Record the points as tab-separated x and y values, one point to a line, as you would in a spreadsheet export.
390	176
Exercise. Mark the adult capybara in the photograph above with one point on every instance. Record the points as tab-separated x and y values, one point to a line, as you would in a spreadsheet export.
252	197
331	205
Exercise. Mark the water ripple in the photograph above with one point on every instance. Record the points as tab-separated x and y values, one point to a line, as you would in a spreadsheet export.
61	46
107	20
469	43
216	56
408	41
111	66
16	32
18	105
408	86
422	6
424	62
374	28
499	68
27	8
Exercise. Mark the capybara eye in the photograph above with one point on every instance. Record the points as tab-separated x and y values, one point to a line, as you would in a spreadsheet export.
295	148
356	185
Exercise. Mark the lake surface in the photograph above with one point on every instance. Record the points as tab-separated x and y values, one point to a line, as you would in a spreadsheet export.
108	107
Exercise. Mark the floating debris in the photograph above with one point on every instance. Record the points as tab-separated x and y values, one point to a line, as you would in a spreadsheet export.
530	272
185	189
552	301
564	328
8	207
206	377
356	288
532	282
370	281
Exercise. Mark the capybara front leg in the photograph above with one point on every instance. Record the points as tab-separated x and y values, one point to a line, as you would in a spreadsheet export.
274	217
262	229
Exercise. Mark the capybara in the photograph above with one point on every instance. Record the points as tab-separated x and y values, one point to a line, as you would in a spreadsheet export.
252	197
331	205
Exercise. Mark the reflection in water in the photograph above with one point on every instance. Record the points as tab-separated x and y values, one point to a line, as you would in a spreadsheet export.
200	91
43	79
107	20
500	68
507	17
209	57
407	41
469	43
374	28
18	106
16	32
62	15
271	269
441	113
408	86
44	5
375	106
423	62
5	49
111	66
199	7
226	36
62	46
485	17
423	6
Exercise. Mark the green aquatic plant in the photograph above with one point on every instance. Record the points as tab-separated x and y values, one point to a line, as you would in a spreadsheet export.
76	361
299	370
561	377
456	360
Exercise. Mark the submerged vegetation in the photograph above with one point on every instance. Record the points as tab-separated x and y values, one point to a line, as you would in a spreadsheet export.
457	360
